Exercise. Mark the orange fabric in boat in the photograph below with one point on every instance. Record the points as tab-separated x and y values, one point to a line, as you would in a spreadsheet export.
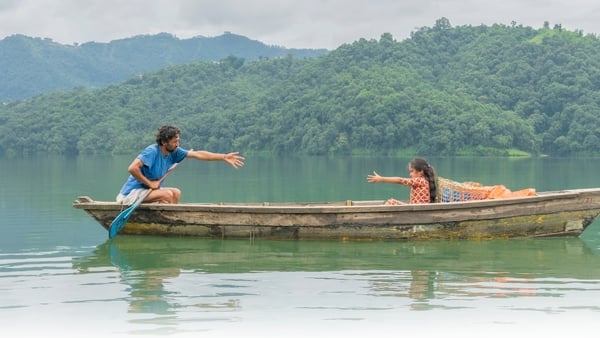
500	191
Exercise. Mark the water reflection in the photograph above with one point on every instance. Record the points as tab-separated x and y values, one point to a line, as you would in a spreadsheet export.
147	293
423	286
147	285
166	276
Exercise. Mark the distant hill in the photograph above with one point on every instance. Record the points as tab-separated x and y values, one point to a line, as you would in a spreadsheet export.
30	66
445	91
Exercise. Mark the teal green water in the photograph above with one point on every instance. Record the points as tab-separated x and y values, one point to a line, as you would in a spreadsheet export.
60	276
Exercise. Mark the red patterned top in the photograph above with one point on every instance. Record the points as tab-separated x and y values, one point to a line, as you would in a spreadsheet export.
419	192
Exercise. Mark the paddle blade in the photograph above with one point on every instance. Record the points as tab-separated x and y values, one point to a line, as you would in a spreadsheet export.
118	223
121	219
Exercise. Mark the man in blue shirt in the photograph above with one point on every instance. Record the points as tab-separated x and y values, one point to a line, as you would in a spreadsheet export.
152	164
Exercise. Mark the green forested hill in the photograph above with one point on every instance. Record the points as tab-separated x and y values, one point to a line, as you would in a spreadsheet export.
30	66
443	91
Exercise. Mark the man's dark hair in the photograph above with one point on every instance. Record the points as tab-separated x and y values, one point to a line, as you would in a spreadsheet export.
166	133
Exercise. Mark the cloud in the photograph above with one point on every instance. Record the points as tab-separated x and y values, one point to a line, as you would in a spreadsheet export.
294	24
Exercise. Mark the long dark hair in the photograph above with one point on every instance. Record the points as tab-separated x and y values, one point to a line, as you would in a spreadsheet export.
420	164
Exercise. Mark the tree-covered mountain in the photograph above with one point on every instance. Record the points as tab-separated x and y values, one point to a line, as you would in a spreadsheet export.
443	91
30	66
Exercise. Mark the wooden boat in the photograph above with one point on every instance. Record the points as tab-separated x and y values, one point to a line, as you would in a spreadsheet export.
554	213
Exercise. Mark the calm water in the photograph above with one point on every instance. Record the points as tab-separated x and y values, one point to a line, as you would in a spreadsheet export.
60	276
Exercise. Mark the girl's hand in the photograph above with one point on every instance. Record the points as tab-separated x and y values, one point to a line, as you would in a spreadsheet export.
375	178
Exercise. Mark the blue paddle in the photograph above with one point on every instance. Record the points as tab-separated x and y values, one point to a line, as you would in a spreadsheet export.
122	218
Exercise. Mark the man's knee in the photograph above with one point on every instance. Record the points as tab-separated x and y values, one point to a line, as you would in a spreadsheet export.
165	195
176	195
171	195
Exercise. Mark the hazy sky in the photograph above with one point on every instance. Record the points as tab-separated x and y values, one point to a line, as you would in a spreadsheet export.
288	23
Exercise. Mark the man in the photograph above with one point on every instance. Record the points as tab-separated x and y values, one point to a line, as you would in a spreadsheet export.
152	164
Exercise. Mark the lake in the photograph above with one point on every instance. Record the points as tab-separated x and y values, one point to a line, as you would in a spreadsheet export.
60	275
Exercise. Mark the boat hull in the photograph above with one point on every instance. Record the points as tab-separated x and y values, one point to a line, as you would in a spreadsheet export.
561	213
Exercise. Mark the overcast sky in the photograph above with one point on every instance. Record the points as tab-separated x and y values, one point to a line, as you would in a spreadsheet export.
288	23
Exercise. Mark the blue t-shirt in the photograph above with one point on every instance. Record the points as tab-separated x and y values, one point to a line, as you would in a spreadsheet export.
155	166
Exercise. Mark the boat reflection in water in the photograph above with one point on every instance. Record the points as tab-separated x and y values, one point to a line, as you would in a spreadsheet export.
168	275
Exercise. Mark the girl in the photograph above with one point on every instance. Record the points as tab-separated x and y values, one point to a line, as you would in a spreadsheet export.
422	182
